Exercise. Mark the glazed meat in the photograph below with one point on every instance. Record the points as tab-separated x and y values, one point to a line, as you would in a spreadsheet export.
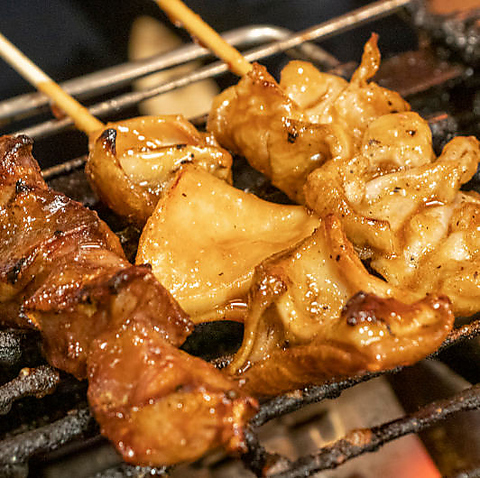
403	209
229	232
289	129
141	156
315	313
63	272
354	149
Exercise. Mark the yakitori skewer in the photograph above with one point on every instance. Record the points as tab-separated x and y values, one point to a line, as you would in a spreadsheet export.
181	15
161	145
80	115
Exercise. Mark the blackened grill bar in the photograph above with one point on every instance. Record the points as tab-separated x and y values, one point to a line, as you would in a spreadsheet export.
358	442
35	382
79	424
325	30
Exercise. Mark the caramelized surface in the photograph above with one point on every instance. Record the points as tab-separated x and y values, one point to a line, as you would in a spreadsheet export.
315	313
289	129
63	271
205	238
375	169
131	162
405	210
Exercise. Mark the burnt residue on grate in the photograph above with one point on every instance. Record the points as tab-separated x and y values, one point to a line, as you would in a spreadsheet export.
452	24
358	442
17	450
36	382
37	430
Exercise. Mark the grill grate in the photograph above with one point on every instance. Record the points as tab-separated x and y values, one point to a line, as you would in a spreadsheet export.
19	447
16	451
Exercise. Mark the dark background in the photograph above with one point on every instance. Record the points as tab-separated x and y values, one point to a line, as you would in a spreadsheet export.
68	38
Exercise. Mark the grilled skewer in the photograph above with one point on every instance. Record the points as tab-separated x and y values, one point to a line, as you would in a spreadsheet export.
64	273
139	156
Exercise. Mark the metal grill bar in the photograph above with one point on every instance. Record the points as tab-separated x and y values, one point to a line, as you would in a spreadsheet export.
36	382
21	448
115	77
323	31
18	449
358	442
293	401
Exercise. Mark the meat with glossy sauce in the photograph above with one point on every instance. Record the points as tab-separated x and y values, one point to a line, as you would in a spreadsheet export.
140	156
288	129
375	170
229	232
403	209
315	313
63	272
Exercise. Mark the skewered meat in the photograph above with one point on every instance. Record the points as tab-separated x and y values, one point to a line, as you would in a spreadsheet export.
63	272
229	232
316	313
372	165
289	129
141	156
430	242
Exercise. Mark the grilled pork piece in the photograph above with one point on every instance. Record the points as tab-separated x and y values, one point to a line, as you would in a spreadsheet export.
63	272
315	313
402	207
287	130
142	155
370	162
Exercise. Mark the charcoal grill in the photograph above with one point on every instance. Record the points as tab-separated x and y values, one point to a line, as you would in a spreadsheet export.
45	413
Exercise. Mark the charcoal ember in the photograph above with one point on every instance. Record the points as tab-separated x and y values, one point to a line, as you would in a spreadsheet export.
457	29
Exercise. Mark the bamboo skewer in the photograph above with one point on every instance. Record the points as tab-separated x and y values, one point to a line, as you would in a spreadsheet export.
181	15
82	118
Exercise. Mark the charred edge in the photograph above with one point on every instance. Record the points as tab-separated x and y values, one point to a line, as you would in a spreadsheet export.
14	272
21	187
355	312
124	276
361	308
332	456
285	404
109	137
292	136
21	141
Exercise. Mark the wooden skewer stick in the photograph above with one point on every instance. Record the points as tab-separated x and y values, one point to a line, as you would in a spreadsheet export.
180	14
82	118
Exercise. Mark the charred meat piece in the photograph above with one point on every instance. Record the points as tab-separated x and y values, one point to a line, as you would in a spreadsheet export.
288	129
315	314
141	156
402	207
63	272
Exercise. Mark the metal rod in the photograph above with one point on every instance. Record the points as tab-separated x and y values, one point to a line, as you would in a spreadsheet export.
118	76
358	442
325	30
